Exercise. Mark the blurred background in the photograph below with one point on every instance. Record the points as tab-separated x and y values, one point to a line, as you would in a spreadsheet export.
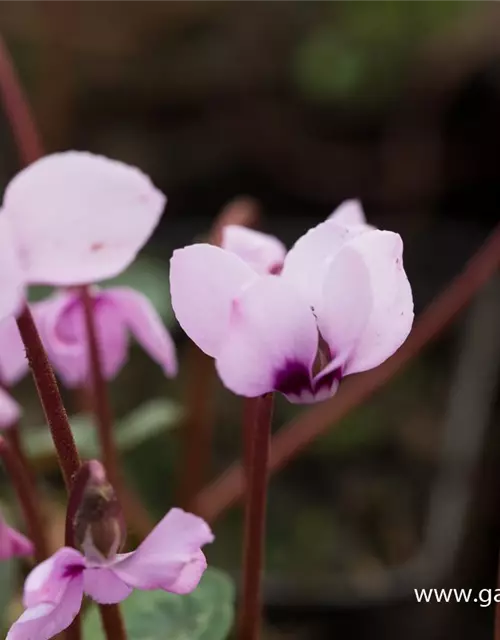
300	105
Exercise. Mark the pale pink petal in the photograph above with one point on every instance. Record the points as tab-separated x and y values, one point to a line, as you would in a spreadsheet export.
49	580
346	302
142	319
261	251
159	562
104	586
13	361
12	278
9	410
61	323
46	619
349	213
190	575
271	342
391	316
203	282
306	264
12	543
80	218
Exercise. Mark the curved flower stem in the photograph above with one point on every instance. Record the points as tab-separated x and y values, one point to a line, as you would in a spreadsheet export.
135	514
198	428
255	516
27	499
17	110
308	426
112	622
51	400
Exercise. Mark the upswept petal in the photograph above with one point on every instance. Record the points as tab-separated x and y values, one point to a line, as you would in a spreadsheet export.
104	586
61	323
391	315
80	218
12	278
46	619
203	282
9	410
13	361
190	575
308	260
12	543
261	251
349	213
142	319
271	335
346	303
161	559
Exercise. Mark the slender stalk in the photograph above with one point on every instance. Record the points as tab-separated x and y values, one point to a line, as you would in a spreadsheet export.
112	622
50	397
255	519
292	439
15	442
27	500
135	513
17	110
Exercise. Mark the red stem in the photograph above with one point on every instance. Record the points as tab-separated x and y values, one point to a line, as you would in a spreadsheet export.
255	518
27	500
298	434
17	110
51	400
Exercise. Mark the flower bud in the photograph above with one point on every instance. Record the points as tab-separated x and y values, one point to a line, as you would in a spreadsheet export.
95	522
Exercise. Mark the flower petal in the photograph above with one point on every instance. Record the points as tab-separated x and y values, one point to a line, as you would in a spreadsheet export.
346	303
80	218
190	575
12	543
12	278
144	322
271	339
104	586
9	410
391	316
203	282
13	361
61	323
49	580
307	262
349	213
159	562
46	619
261	251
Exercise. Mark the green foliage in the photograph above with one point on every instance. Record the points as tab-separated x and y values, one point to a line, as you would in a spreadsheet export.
7	585
145	422
205	614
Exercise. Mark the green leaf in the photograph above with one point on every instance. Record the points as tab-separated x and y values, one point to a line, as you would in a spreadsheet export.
7	586
205	614
145	422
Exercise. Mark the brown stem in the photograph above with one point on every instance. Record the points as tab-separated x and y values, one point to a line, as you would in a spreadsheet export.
51	400
112	622
15	442
255	519
27	499
296	435
17	110
135	513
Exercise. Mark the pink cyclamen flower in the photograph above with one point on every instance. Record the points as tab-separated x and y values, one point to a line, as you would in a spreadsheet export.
342	304
118	311
261	251
170	558
72	218
12	543
9	410
13	361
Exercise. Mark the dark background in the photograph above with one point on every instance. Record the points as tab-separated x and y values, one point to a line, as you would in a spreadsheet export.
301	105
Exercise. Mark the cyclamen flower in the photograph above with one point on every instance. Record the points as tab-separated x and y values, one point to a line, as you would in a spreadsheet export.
72	218
170	558
12	543
13	361
117	311
9	410
342	304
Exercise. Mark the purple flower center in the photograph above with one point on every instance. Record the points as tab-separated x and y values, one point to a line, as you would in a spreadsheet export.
73	570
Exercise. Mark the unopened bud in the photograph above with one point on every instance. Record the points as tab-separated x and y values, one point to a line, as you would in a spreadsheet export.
94	514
